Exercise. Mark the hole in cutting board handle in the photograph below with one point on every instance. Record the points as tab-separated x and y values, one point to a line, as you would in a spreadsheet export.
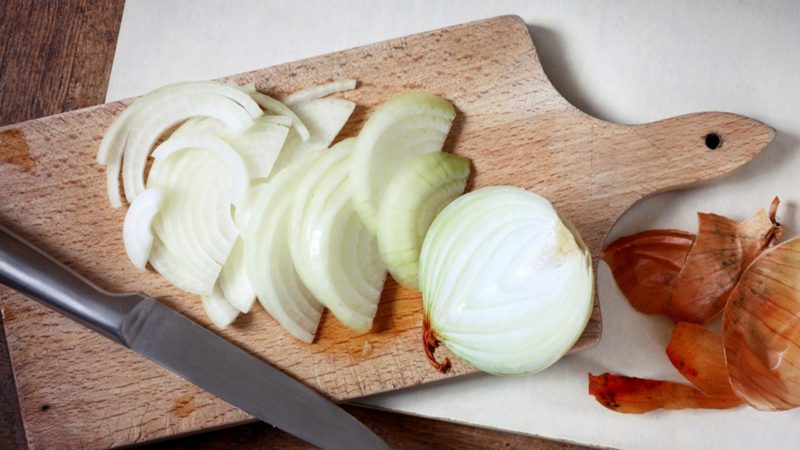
713	141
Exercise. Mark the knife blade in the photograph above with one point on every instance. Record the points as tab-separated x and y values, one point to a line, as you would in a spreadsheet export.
174	341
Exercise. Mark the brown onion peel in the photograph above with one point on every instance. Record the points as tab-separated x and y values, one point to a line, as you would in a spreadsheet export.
632	395
429	344
761	330
699	356
688	278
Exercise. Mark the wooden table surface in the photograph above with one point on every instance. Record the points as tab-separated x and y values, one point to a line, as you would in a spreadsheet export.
57	57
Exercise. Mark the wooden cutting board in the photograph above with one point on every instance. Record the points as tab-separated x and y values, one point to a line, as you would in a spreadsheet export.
78	390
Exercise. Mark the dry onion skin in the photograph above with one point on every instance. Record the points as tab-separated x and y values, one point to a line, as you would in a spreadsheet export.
633	395
685	277
761	330
699	356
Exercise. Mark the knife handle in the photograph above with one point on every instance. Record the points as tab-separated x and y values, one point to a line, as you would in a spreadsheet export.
32	272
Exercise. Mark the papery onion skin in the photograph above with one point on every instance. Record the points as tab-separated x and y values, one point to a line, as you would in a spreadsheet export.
685	277
632	395
699	355
646	264
761	330
507	284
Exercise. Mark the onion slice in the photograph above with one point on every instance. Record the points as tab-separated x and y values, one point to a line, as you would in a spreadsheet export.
267	258
218	309
136	229
636	395
322	90
415	196
400	129
130	138
237	169
761	330
335	255
271	104
233	281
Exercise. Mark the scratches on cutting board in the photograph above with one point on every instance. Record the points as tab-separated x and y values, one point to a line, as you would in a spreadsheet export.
14	149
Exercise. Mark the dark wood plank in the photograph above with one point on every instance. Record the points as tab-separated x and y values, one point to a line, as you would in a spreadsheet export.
57	57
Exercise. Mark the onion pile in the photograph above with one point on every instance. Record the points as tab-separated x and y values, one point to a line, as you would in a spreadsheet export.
732	267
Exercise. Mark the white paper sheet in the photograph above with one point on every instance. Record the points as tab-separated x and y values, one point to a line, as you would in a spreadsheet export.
623	61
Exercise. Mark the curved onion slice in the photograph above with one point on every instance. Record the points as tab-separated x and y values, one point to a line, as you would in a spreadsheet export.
233	280
636	395
270	104
237	169
267	258
218	309
689	279
400	129
132	135
136	229
324	118
259	145
761	330
335	255
418	192
699	356
195	224
493	260
323	90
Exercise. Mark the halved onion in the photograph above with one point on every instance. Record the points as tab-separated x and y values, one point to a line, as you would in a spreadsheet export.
333	252
133	134
319	91
136	229
761	330
267	258
419	191
493	261
231	159
400	129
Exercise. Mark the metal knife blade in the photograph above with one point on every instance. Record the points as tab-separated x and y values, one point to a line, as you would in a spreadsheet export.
174	341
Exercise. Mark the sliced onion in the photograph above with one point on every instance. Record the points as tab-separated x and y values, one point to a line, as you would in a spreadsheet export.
419	191
233	280
218	309
133	134
237	169
195	224
136	229
323	90
493	261
335	255
402	128
325	118
761	330
274	278
270	104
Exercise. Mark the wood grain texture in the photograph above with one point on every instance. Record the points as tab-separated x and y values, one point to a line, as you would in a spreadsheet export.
512	124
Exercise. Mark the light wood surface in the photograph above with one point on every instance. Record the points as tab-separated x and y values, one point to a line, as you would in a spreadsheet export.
78	390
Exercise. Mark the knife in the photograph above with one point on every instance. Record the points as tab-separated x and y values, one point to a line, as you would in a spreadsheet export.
172	340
